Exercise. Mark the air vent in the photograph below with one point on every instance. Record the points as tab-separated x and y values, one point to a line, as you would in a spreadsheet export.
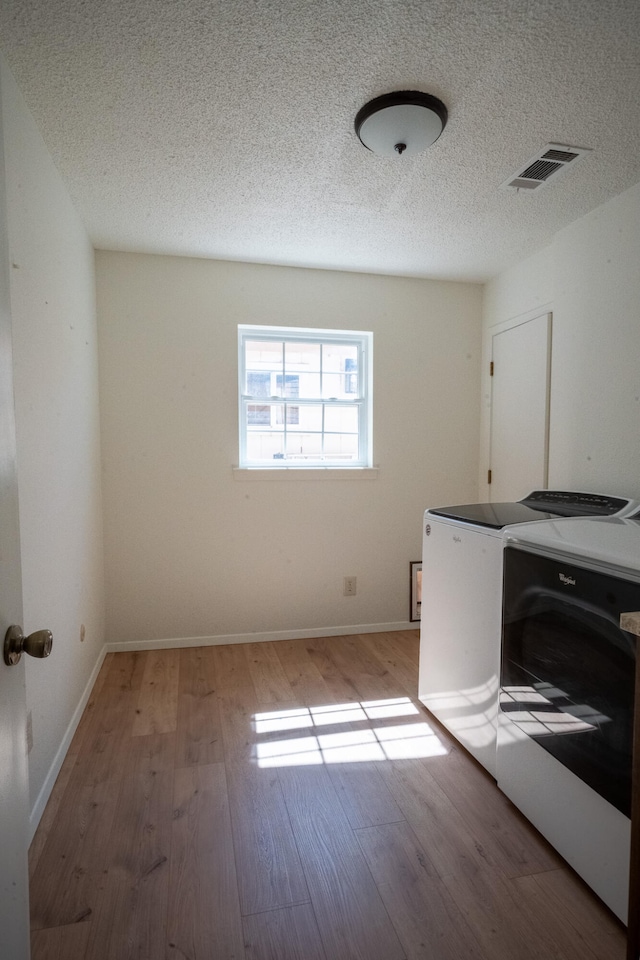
547	165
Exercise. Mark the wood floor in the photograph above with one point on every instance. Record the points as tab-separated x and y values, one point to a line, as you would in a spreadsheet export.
291	801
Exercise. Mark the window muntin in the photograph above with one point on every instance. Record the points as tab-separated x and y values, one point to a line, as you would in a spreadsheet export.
304	397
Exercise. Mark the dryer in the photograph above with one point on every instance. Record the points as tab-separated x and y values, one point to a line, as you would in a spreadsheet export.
565	733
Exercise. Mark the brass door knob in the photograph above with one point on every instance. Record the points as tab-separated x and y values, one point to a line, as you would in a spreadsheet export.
37	644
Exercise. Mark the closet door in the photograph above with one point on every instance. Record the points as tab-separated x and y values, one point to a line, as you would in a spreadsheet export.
519	451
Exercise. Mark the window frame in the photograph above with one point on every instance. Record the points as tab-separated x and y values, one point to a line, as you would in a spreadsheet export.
363	400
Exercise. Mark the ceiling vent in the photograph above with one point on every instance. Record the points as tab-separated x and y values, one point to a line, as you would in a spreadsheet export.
548	164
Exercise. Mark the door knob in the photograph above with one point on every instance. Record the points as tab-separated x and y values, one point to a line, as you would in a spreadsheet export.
37	644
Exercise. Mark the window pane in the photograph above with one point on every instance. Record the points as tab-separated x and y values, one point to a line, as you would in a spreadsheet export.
304	445
341	446
263	361
292	413
351	376
340	369
333	386
311	416
265	446
339	419
302	357
261	415
288	385
309	386
258	384
258	415
336	355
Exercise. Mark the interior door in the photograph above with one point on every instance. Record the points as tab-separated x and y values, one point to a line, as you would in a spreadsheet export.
519	451
14	798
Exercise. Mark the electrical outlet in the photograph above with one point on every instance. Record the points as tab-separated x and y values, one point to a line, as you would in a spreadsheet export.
349	587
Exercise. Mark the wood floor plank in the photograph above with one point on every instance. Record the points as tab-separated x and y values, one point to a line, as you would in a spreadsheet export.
307	683
269	679
270	874
399	665
558	934
238	724
363	794
360	668
124	672
199	731
203	919
48	819
604	931
60	943
494	912
513	845
426	919
157	709
155	753
67	884
109	727
342	690
408	641
288	934
130	920
352	919
562	895
232	671
436	822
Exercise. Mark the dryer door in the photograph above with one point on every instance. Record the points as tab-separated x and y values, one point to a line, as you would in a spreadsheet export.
568	670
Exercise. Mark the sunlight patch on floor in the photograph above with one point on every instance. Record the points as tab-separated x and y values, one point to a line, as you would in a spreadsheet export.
409	740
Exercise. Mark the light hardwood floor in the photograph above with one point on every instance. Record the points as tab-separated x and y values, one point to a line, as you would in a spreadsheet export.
291	801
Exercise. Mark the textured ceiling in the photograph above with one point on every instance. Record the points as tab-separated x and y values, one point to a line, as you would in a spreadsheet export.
224	128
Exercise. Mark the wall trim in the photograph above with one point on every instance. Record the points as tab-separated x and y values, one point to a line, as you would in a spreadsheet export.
343	631
51	777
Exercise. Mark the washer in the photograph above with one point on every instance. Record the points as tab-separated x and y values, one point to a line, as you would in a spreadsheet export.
565	733
462	606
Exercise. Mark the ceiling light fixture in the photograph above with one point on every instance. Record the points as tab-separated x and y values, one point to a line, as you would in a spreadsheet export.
401	123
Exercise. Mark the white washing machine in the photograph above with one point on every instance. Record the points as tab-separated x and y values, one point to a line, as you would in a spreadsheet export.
565	732
462	606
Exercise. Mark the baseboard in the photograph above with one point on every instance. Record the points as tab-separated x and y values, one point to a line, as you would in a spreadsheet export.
58	760
310	634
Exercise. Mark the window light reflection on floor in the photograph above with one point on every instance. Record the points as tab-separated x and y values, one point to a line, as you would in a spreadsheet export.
408	740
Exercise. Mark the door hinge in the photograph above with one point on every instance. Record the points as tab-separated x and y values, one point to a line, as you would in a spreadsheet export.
488	476
491	368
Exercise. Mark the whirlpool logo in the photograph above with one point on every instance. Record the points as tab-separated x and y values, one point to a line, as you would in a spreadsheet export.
568	581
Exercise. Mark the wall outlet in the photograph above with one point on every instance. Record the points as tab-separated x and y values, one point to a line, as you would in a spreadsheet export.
349	586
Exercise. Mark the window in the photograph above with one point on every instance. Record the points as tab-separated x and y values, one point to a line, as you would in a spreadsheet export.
305	397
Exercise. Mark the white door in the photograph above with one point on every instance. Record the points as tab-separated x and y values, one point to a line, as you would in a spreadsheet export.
14	795
521	358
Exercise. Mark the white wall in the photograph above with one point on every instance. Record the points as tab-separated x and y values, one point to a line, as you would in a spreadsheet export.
191	551
57	424
589	277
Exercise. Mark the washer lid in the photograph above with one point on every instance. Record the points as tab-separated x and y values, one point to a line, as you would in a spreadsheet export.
538	505
493	515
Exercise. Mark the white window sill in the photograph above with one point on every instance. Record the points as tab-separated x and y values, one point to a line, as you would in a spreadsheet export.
305	473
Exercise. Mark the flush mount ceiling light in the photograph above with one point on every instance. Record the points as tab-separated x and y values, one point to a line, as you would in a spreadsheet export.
401	123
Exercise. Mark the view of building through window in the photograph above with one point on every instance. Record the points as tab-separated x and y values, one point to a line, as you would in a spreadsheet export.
304	397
